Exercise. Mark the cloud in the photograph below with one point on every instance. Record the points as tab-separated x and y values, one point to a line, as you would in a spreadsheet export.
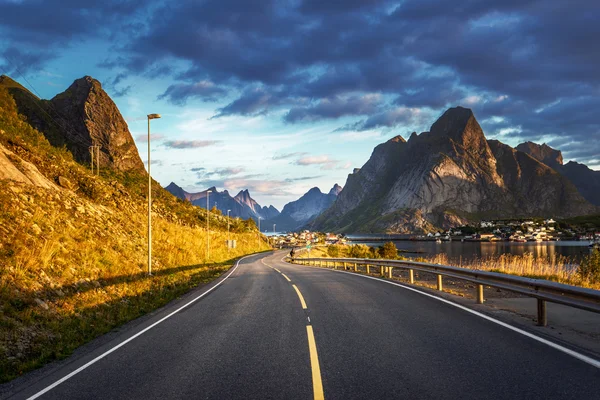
336	107
288	155
254	101
324	161
398	116
153	137
190	144
18	62
204	90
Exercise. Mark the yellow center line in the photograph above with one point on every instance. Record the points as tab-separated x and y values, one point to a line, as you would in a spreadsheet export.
285	276
301	298
314	362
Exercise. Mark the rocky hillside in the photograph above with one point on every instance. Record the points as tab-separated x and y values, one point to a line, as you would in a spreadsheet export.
242	205
73	245
447	177
82	116
586	180
297	214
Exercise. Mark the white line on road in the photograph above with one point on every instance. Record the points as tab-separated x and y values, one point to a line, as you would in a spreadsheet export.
572	353
101	356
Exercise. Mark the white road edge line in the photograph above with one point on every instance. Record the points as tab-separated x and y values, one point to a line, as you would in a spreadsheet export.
572	353
101	356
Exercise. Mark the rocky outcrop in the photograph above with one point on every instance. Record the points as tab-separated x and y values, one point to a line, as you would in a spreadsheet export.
586	180
544	153
13	168
82	116
447	177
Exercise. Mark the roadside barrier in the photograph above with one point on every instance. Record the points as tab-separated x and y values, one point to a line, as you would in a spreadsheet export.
542	290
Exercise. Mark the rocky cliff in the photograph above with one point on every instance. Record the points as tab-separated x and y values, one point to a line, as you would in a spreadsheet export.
82	116
447	177
586	180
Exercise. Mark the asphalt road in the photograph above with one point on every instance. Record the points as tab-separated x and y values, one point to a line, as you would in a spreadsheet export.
252	338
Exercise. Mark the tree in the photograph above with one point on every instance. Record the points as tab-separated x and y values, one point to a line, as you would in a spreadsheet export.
389	251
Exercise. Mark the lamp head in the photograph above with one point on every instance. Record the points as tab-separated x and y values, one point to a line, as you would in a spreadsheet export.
153	116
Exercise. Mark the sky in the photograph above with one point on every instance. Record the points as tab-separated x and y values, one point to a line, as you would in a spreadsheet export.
281	96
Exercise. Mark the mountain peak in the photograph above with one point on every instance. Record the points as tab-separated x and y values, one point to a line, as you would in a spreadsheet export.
335	190
92	117
543	153
314	190
397	138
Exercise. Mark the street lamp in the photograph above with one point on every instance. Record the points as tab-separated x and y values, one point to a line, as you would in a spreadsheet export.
274	228
208	192
150	116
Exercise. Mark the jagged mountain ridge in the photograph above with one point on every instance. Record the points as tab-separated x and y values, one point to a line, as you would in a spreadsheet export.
447	177
297	214
242	205
81	116
585	179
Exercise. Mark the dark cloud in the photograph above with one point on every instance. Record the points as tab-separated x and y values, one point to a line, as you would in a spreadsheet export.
330	108
17	62
190	144
204	90
254	101
398	116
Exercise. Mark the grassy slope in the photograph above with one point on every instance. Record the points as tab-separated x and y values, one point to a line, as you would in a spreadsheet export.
73	262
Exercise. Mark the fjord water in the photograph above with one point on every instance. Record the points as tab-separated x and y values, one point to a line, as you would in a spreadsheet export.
467	251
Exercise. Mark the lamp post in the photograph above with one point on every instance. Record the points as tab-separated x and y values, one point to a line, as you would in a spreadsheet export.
274	228
150	116
208	192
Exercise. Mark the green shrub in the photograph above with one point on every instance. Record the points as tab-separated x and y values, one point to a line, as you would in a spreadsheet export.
333	251
389	251
589	269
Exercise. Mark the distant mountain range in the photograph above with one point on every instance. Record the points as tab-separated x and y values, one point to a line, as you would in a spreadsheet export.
242	205
294	215
451	176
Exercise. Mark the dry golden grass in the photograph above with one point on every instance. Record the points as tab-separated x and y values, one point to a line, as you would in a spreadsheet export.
67	276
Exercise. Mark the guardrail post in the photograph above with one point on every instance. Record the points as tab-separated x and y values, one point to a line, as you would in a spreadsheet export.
390	272
411	276
542	316
381	270
367	265
355	267
439	282
479	294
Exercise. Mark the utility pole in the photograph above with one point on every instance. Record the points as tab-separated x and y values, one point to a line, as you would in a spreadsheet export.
208	192
258	237
228	230
95	153
150	116
274	227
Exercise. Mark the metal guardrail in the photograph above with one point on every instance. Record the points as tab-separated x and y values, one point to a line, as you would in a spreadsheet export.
542	290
